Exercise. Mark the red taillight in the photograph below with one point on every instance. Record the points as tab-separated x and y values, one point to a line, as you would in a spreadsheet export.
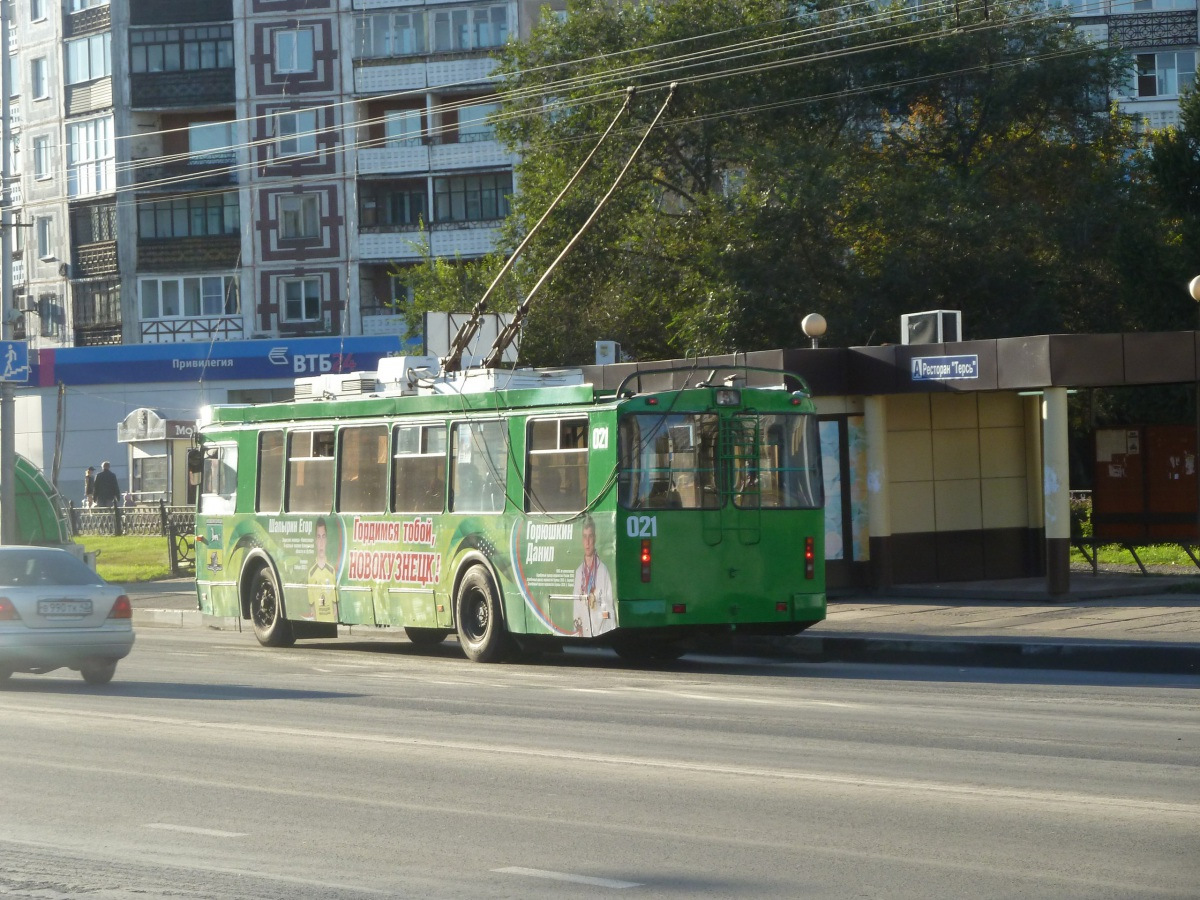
781	606
121	608
8	612
652	401
645	560
679	608
810	559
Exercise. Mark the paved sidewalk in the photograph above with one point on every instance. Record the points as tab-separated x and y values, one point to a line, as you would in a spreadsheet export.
1109	622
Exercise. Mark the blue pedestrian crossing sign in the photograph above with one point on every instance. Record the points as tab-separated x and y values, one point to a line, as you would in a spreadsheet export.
14	361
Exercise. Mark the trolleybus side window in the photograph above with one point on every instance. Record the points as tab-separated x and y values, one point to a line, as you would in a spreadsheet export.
362	468
419	468
668	461
218	480
270	471
556	465
310	471
784	470
478	466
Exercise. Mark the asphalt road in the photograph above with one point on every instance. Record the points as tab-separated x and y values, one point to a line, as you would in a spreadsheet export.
215	768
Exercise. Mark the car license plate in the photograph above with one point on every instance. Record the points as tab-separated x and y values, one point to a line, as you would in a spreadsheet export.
51	608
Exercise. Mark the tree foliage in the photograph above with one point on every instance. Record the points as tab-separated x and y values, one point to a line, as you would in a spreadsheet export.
845	159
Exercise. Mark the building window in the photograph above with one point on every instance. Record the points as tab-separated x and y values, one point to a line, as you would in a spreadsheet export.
90	159
298	216
294	51
301	299
474	122
470	28
94	223
50	312
77	5
402	128
45	249
296	132
393	206
472	198
1165	74
198	216
181	49
211	142
382	35
41	158
39	82
14	76
37	10
89	58
190	296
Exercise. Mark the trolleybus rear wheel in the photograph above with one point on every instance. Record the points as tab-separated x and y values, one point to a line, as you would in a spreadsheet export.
426	637
266	611
479	618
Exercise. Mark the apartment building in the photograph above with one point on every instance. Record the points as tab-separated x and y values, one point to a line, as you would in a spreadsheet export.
207	170
1161	36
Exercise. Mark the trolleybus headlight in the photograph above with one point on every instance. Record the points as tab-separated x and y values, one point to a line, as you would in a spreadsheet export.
728	397
809	558
645	560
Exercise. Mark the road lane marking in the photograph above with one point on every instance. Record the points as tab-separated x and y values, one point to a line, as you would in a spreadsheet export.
187	829
573	756
565	876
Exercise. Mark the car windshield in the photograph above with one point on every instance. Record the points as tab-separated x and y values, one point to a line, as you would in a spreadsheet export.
19	568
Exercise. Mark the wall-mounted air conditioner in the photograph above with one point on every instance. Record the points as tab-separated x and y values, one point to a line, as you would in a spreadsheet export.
937	326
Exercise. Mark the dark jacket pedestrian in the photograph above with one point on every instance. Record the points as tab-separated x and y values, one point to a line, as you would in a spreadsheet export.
106	490
89	486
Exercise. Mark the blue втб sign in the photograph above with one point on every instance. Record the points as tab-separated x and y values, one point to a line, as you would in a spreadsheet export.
944	368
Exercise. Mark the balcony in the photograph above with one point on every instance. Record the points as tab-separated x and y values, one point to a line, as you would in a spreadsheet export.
387	160
391	78
87	21
14	115
470	155
182	90
186	330
18	273
179	12
90	97
96	312
189	254
464	240
94	260
189	175
15	192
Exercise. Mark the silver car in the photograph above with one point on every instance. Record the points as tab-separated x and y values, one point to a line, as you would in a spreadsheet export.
56	612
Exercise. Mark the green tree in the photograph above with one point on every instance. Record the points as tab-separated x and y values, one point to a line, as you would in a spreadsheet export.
824	158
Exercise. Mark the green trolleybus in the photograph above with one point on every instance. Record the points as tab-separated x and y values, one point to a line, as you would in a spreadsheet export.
514	509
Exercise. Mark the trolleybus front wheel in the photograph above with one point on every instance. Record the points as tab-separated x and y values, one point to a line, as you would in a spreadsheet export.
479	618
266	611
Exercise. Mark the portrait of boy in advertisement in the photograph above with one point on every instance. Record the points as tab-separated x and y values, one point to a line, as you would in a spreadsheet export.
322	579
594	610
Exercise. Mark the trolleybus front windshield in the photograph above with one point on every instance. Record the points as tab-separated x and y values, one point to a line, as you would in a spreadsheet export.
698	461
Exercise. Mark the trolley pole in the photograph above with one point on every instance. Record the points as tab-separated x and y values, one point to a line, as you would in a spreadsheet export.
8	461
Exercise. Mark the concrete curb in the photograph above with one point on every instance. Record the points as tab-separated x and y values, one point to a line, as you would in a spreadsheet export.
1143	657
1151	658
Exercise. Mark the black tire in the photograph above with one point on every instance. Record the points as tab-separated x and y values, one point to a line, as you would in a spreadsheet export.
98	671
479	618
648	652
426	637
271	626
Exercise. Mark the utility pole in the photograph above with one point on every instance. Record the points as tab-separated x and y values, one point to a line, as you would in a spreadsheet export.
8	454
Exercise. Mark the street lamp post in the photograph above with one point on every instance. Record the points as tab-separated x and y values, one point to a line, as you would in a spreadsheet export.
1194	290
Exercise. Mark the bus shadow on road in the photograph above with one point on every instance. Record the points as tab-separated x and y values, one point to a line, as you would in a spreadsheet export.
164	690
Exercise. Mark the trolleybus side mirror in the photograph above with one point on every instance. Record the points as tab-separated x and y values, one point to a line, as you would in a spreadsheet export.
195	461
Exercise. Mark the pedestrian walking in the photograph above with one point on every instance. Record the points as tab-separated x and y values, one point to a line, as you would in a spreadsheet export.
105	490
89	485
